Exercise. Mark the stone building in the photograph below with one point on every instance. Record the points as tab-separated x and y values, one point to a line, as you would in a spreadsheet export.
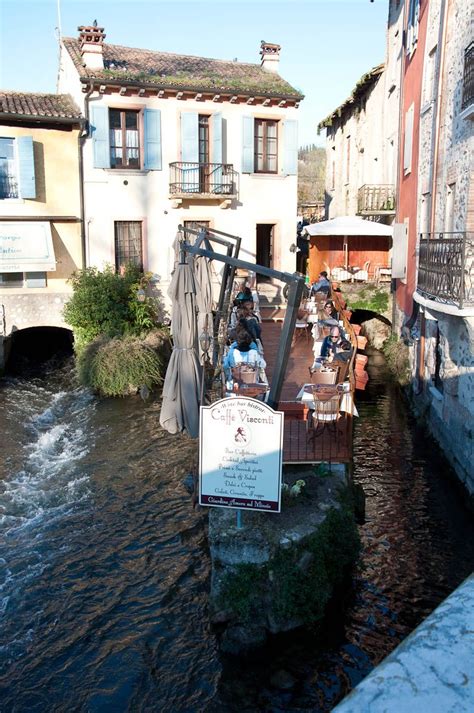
443	314
40	209
183	140
362	138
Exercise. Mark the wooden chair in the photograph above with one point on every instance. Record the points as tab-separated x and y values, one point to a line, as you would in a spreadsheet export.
325	377
326	412
342	372
301	330
341	275
363	275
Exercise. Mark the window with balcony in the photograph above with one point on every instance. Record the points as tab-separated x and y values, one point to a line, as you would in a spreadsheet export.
128	244
17	168
8	171
124	139
266	146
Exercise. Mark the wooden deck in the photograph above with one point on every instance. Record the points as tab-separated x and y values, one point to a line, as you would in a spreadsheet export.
334	444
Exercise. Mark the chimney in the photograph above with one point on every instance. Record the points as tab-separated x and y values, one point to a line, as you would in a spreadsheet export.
270	55
91	38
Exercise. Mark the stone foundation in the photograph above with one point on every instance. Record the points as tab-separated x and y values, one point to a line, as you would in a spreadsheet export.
279	571
33	309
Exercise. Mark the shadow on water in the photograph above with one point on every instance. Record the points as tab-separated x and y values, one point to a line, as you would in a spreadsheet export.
104	569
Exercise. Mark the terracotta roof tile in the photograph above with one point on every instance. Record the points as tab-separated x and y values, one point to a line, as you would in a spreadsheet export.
166	70
360	88
58	106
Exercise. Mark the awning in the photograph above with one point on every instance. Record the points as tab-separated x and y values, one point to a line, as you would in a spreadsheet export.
26	247
349	225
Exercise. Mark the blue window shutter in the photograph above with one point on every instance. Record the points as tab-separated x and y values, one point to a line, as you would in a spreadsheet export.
248	144
216	134
35	279
26	167
100	136
152	121
189	136
290	156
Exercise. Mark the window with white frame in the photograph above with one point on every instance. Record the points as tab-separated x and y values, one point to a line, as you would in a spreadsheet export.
17	168
8	169
428	80
449	214
266	146
128	244
412	26
124	138
408	143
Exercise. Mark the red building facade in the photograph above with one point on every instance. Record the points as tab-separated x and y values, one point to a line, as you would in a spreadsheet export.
415	27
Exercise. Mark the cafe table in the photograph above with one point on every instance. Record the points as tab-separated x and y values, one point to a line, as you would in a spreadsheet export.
305	395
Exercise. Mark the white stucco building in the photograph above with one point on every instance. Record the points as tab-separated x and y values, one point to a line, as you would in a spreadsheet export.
362	138
177	139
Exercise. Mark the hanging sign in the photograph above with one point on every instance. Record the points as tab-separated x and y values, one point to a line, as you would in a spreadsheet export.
26	247
240	458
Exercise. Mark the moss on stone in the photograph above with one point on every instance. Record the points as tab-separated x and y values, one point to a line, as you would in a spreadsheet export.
298	582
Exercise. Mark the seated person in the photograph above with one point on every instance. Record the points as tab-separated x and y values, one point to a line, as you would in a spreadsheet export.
322	284
253	319
242	351
329	311
250	324
244	300
344	351
332	343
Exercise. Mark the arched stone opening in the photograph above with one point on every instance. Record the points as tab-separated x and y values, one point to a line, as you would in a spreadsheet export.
376	327
36	345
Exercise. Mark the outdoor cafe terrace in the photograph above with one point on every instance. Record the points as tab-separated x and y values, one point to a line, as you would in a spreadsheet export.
285	368
328	441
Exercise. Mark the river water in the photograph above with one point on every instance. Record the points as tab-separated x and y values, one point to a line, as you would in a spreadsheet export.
104	571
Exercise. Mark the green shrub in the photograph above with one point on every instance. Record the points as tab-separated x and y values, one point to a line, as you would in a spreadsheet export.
396	353
119	366
106	303
372	299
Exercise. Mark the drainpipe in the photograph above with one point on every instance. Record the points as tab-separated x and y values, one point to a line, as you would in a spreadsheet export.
435	131
83	135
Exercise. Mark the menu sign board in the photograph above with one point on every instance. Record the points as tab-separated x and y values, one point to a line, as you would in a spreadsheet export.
240	458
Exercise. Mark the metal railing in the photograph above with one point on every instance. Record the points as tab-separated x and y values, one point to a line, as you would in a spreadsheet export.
446	268
376	198
8	187
468	78
210	179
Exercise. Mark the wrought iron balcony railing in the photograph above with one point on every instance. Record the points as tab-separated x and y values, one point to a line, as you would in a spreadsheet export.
204	179
373	199
446	268
8	187
468	78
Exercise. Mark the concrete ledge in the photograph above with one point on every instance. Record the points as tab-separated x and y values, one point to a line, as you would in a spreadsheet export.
431	671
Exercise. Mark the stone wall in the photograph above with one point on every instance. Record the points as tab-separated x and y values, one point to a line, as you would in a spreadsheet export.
450	409
24	310
279	571
431	670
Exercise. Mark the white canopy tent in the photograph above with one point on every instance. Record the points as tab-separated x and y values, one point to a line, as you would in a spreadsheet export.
348	225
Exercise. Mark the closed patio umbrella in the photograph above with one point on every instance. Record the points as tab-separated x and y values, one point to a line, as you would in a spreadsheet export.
203	278
181	390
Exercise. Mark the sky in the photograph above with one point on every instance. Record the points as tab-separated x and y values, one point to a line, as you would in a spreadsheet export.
327	45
